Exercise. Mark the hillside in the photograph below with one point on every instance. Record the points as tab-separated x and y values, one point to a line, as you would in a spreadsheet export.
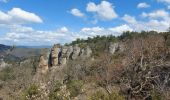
133	66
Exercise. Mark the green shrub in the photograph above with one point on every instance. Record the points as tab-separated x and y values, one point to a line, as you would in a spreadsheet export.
74	86
157	96
54	92
31	91
7	74
100	95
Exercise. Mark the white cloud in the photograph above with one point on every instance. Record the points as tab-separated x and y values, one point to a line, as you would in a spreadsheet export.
168	7
164	1
121	29
19	16
22	35
64	29
76	12
143	5
94	29
104	10
4	1
157	14
153	22
129	19
4	17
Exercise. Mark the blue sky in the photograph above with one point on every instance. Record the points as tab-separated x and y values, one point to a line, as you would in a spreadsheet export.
37	22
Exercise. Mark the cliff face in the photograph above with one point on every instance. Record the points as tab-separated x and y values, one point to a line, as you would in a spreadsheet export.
60	55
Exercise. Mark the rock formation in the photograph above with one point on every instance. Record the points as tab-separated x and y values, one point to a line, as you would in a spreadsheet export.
43	65
113	47
55	51
76	52
86	52
69	52
61	54
63	58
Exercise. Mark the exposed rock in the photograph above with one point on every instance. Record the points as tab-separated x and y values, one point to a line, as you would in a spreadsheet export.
69	51
43	65
55	51
76	52
85	53
113	47
121	47
63	58
88	51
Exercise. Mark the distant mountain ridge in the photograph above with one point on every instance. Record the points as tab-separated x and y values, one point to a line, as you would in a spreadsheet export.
4	47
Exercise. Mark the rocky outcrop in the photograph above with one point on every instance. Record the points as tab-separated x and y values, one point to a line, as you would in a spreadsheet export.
63	58
61	54
69	51
114	47
86	52
43	65
55	53
76	52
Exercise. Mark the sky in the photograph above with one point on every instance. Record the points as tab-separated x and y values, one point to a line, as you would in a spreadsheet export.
47	22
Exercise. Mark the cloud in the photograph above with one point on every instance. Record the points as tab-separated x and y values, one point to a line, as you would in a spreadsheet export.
4	1
164	1
76	12
143	5
168	7
23	35
64	29
157	14
104	10
121	29
19	16
151	23
129	19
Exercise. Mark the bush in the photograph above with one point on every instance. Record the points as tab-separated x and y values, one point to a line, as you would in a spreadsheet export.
31	92
74	86
99	95
54	92
7	74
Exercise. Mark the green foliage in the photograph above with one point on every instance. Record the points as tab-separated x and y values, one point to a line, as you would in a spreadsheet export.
7	74
30	93
157	96
100	95
74	86
54	92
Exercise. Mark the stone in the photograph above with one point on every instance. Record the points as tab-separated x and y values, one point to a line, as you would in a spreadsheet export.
43	65
113	47
69	52
76	52
86	52
55	51
63	58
